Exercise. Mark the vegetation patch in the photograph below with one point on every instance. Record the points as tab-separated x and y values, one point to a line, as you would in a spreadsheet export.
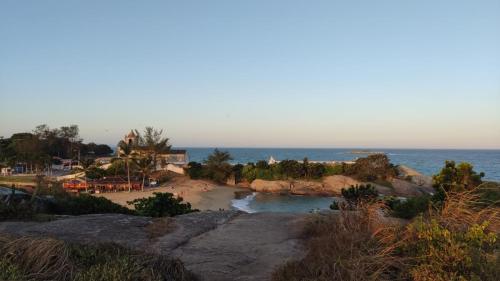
456	242
28	258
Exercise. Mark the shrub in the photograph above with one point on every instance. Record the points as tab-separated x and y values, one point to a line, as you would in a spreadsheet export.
95	173
359	194
335	169
161	205
292	169
16	211
456	242
409	208
457	178
371	168
237	171
316	170
195	170
87	204
249	173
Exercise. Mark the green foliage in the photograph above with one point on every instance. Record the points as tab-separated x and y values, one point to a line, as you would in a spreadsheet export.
86	204
117	168
195	170
371	168
489	194
457	178
38	148
335	205
218	167
237	171
16	211
161	205
334	169
409	208
359	194
439	253
95	173
249	173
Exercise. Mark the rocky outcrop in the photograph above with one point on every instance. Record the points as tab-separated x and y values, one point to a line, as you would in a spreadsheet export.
414	176
226	245
331	185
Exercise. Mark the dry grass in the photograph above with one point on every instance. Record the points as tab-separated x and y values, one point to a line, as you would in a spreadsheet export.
41	259
452	243
33	259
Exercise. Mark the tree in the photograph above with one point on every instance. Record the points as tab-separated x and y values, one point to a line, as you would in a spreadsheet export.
218	167
144	166
195	170
127	154
371	168
87	164
153	143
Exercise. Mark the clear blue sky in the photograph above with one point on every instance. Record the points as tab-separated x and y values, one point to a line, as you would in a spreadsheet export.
368	73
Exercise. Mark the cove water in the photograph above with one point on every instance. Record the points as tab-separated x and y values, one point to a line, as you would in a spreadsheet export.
266	202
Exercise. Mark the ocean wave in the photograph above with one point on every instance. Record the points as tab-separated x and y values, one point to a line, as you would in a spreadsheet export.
244	204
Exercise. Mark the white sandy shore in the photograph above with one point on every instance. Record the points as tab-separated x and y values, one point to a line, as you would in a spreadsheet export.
202	195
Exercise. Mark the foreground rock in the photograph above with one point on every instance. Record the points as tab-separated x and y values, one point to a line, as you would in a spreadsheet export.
225	245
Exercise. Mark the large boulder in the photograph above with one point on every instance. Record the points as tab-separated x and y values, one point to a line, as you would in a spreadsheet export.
227	245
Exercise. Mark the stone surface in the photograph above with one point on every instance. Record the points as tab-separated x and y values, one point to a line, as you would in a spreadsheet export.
227	245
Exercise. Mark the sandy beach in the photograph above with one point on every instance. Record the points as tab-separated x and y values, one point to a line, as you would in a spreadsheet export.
202	195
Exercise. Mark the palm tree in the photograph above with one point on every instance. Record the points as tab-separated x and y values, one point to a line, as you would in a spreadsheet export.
144	165
126	152
218	165
153	143
87	164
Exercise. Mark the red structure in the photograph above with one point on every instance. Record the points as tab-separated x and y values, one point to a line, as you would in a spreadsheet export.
107	184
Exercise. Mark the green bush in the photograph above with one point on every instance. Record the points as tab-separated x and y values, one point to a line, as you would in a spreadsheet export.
161	205
439	253
371	168
87	204
16	211
409	208
334	169
359	194
457	178
195	170
249	173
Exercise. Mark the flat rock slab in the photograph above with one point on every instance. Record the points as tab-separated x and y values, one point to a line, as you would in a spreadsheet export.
248	247
227	245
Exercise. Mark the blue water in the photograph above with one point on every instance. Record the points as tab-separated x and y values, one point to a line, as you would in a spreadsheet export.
265	202
426	161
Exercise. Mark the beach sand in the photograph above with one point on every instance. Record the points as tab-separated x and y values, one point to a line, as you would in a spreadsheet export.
203	195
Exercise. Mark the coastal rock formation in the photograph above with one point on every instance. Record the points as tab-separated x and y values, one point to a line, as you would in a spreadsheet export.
226	245
332	186
414	176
